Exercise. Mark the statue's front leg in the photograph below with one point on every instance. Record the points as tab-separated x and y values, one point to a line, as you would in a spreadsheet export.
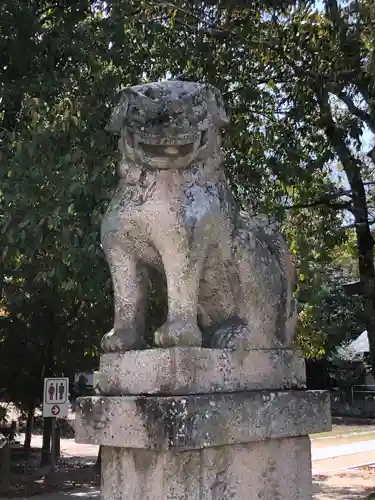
181	328
130	294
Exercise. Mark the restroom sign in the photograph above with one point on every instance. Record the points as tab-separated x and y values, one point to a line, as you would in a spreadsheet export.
56	397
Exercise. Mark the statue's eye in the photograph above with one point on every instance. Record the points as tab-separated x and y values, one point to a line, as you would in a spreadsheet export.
204	138
135	118
152	93
139	119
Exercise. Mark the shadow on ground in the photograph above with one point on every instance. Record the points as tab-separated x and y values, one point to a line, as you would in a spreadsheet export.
28	478
343	487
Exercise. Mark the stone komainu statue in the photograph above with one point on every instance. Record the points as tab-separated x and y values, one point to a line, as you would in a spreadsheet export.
229	277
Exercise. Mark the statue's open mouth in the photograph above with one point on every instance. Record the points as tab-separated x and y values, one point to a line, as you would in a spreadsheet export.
167	150
173	150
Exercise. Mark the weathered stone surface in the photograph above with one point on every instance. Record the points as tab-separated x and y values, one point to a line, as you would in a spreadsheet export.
193	370
229	277
272	470
200	421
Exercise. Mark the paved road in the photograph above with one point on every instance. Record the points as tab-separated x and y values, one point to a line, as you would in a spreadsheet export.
92	493
68	447
342	450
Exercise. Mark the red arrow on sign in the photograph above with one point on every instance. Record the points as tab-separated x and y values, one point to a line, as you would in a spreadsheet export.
55	410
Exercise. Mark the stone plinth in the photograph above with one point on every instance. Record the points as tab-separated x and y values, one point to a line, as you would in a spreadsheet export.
200	421
193	370
271	470
199	424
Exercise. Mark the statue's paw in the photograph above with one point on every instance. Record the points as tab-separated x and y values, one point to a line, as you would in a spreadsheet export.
111	342
121	341
233	335
178	333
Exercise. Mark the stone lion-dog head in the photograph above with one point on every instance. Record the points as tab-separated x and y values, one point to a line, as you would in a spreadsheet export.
169	125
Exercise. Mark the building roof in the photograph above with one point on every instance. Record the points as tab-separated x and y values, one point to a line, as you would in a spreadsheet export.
360	344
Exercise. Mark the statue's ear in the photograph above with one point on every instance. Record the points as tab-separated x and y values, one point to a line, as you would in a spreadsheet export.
216	107
131	102
119	113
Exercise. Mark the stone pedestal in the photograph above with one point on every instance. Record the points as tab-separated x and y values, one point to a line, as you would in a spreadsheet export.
202	424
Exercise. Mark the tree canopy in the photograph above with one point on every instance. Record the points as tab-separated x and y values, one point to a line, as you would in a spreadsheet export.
299	82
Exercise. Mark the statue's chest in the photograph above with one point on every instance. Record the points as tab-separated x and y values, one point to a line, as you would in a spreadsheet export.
168	202
201	201
186	201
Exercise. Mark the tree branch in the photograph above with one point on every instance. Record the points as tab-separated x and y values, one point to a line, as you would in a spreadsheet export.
73	314
359	113
355	224
321	202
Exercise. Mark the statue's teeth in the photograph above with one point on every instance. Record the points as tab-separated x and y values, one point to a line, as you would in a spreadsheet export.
171	150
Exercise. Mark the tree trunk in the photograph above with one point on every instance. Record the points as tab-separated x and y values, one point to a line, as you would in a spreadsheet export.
365	250
46	446
46	372
98	462
57	442
359	209
29	428
4	465
365	245
12	107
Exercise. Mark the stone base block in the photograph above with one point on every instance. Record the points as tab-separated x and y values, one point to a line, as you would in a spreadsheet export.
201	421
271	470
194	370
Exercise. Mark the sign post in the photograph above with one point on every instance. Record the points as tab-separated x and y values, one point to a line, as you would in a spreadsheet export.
55	404
53	444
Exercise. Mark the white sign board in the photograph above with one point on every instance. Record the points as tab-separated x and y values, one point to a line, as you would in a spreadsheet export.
56	397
